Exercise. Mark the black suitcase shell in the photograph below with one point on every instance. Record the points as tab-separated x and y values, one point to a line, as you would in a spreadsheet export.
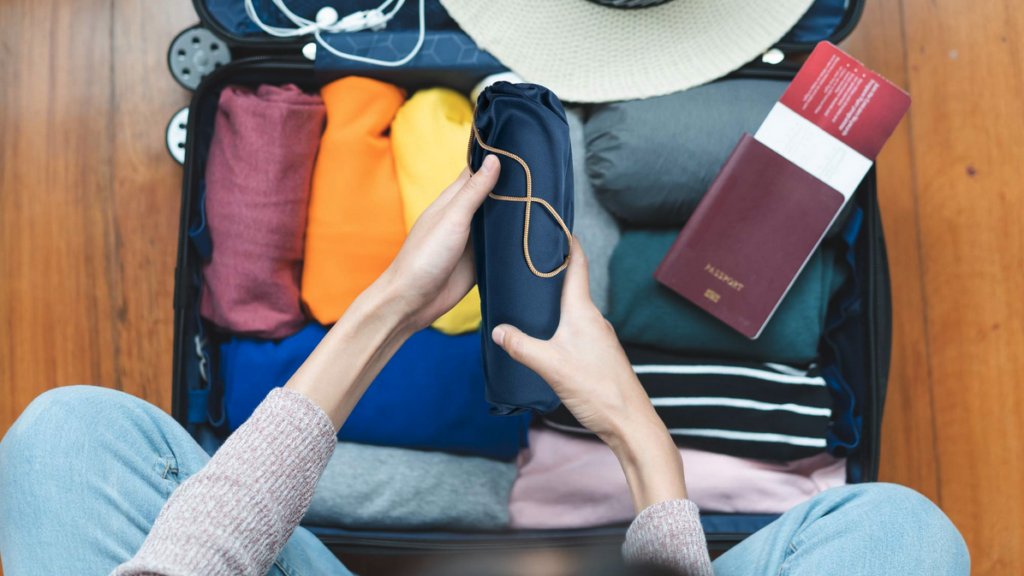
275	60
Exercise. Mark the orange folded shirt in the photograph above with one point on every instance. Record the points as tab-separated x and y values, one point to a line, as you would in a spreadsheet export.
356	224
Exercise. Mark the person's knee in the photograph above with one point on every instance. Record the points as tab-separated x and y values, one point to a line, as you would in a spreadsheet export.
54	416
902	513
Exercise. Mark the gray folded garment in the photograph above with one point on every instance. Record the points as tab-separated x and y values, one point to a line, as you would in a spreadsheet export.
381	488
650	161
597	230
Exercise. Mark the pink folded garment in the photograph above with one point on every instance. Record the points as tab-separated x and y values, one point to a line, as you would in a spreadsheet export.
257	192
568	481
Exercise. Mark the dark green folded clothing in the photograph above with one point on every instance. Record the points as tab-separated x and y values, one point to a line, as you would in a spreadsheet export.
645	312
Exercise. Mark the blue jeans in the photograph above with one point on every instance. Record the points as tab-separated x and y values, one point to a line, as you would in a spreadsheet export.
83	474
85	471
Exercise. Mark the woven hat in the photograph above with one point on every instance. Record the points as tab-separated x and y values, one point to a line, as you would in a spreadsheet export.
599	51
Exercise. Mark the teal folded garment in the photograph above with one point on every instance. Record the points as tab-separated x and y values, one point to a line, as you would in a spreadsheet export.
645	312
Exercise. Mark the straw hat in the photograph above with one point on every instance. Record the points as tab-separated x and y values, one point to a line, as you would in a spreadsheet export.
604	50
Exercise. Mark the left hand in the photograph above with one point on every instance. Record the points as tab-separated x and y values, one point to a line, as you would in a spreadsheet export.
432	272
435	268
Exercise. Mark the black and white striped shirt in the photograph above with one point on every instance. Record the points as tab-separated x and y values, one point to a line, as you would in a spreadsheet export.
746	409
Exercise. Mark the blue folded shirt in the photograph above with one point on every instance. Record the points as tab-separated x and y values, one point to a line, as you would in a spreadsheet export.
528	121
429	396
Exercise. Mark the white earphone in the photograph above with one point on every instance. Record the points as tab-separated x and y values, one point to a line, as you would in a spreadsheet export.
327	21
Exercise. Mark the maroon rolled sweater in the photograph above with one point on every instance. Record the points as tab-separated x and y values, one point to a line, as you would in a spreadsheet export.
258	177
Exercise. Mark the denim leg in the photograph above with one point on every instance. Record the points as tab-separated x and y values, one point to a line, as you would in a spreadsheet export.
862	529
84	473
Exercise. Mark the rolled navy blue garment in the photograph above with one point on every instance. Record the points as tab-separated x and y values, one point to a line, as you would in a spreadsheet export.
521	286
428	396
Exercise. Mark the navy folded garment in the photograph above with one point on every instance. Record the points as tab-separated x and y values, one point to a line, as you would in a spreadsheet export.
429	396
520	281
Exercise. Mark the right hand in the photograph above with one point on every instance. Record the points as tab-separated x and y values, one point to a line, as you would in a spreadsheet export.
583	362
585	365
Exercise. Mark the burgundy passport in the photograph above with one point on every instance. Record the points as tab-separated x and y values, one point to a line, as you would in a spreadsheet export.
781	189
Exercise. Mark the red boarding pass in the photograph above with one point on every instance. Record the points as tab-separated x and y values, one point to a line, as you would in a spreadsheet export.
834	118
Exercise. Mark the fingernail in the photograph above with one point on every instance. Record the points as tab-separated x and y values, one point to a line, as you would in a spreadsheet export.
489	163
498	335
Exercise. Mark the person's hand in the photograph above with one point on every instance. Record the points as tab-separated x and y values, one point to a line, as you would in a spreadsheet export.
583	362
432	272
435	268
585	365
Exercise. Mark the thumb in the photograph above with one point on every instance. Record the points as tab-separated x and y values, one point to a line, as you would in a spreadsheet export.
577	276
475	190
526	350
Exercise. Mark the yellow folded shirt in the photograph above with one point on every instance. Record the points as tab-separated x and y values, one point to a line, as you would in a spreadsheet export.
429	137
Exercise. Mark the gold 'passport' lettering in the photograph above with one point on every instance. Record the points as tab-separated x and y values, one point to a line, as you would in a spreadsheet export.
728	280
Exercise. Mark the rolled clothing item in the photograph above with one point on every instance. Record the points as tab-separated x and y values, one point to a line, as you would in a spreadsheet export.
646	313
651	161
382	488
428	396
596	229
520	243
567	481
745	409
355	226
428	136
257	190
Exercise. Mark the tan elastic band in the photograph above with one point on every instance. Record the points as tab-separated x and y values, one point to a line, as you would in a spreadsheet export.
528	199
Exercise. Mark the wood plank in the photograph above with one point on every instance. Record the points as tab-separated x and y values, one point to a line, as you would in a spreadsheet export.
146	192
965	71
908	437
57	253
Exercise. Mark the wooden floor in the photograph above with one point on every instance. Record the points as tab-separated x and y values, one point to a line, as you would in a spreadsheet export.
89	203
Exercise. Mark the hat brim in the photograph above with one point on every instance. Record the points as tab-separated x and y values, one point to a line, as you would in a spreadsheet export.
586	52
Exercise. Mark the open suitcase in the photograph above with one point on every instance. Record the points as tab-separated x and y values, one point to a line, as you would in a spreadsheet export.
450	58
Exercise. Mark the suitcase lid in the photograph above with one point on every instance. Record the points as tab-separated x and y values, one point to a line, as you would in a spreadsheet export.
831	20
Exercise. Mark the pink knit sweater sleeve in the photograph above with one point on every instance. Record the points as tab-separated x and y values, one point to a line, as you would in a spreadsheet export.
235	515
669	534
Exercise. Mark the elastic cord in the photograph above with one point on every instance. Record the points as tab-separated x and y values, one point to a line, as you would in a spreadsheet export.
528	199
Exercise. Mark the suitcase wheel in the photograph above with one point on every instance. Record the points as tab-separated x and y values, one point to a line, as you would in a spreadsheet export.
194	54
177	132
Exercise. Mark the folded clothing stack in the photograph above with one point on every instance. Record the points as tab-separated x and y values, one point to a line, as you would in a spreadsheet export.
752	417
303	219
419	451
